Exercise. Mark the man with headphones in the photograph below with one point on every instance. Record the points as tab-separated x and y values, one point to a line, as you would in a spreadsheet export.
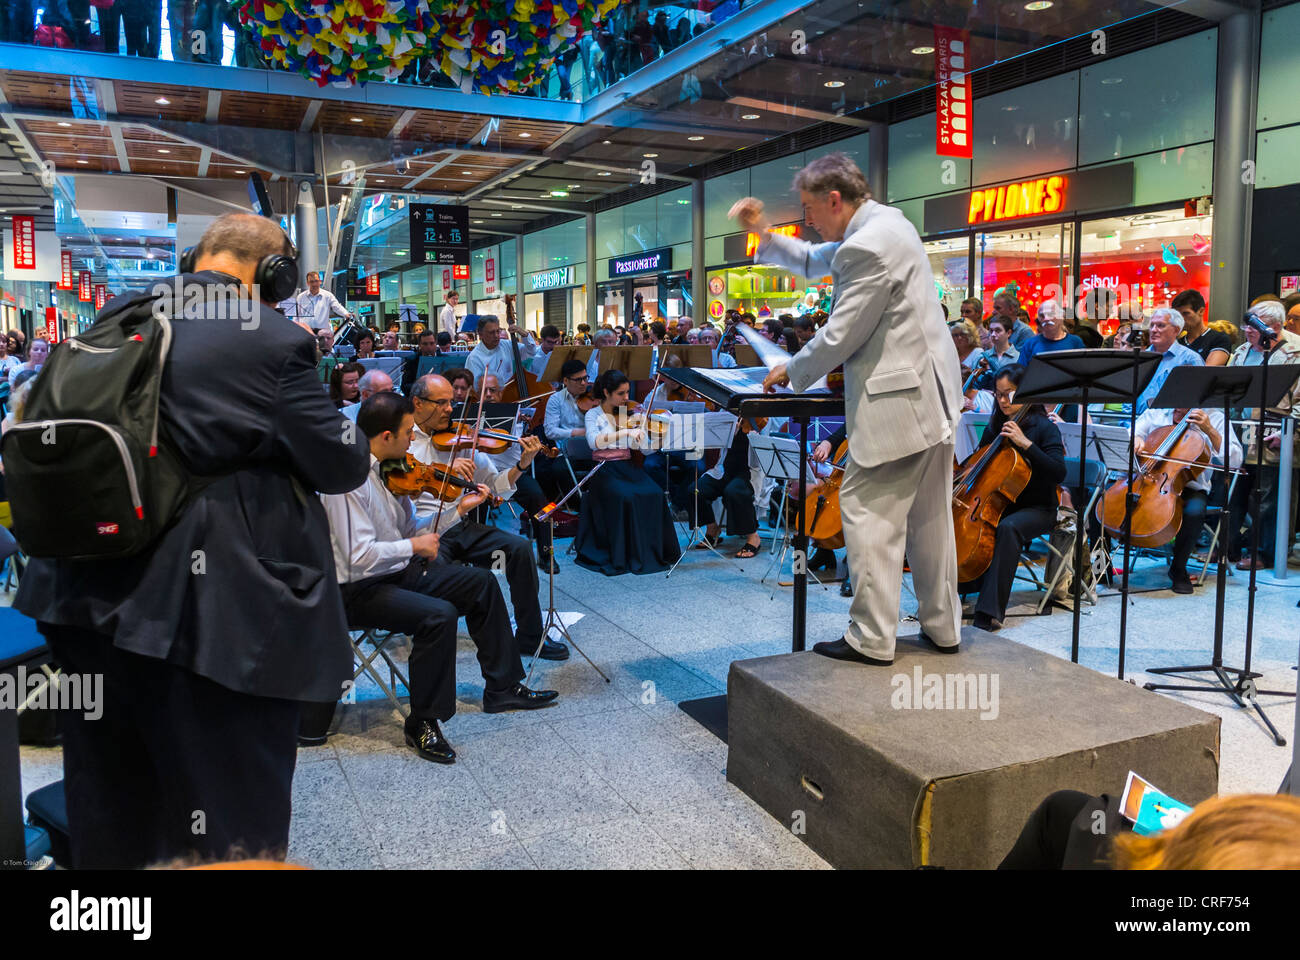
209	640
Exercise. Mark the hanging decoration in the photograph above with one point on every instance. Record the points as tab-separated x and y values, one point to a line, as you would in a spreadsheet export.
339	41
500	47
486	46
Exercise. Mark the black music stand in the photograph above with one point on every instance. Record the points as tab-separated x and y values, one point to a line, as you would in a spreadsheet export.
1083	377
1201	387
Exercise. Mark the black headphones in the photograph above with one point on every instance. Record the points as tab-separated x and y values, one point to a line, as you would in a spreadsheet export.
276	275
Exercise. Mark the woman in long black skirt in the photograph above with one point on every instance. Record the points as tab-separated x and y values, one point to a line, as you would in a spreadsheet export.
625	526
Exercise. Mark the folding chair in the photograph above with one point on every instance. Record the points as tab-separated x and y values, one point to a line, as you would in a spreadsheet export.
365	661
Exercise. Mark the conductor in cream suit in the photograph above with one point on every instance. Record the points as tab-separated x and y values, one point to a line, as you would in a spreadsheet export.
902	393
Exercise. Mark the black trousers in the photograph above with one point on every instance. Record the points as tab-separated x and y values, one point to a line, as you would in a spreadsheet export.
1263	480
425	601
1014	532
176	766
483	546
737	495
1194	504
1046	834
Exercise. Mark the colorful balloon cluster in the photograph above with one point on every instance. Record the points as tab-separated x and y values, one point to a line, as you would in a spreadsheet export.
488	46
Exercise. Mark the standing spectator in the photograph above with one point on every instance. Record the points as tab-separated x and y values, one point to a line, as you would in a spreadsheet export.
209	17
180	21
1212	346
1006	306
660	32
17	22
447	319
111	19
36	354
142	24
1051	334
1292	305
8	362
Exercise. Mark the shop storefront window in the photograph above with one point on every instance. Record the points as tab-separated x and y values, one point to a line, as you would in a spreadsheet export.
1142	259
1032	263
950	265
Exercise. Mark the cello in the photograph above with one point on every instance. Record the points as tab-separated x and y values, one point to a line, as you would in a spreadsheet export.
1175	456
997	474
823	522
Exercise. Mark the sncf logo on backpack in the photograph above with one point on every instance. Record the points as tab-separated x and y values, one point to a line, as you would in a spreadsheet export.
86	474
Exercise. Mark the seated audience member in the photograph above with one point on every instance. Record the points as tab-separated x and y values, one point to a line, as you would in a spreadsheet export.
1071	830
603	338
1034	512
1163	329
392	577
624	526
464	539
344	384
366	345
1000	353
772	329
1212	346
709	337
371	382
1195	495
804	329
966	341
1051	334
1292	306
1265	477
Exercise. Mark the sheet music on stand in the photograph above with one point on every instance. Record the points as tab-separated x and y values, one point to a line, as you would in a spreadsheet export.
778	457
1107	444
389	365
694	433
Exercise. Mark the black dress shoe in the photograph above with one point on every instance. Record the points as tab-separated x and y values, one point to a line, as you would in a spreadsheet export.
841	650
942	649
551	650
518	697
823	559
983	621
546	560
312	741
1181	584
846	587
426	736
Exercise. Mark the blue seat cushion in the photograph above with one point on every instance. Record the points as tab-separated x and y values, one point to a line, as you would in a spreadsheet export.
20	642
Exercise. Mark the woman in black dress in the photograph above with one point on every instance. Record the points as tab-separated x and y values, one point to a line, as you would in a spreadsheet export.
1034	512
624	526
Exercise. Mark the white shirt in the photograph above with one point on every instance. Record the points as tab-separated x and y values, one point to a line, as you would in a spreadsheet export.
350	410
370	529
722	360
314	309
427	506
500	362
563	417
9	365
1153	418
447	320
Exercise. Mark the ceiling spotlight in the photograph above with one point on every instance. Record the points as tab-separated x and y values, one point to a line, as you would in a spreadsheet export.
833	84
64	123
607	142
1037	5
357	120
922	51
467	173
162	101
559	193
695	138
525	135
378	181
574	186
497	214
478	221
650	156
83	161
750	116
163	150
1111	81
241	171
603	173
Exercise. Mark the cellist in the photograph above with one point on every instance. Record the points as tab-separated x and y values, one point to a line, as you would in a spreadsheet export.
1195	494
1034	512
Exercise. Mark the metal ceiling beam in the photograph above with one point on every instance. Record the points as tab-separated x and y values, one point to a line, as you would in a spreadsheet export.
523	205
400	124
213	114
493	182
432	170
631	172
309	116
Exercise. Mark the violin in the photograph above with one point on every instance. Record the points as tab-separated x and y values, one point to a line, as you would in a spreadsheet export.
997	473
980	368
410	478
1175	457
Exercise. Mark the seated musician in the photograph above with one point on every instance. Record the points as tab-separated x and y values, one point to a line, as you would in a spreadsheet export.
528	492
729	481
1195	494
1034	513
462	384
495	354
824	558
565	419
392	577
464	539
624	526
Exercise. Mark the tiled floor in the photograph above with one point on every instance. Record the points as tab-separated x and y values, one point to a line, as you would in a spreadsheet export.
616	776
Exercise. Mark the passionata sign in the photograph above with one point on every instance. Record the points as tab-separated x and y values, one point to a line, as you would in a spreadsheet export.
1029	198
1052	196
652	261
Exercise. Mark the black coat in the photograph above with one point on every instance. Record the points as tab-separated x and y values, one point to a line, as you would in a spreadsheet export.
241	589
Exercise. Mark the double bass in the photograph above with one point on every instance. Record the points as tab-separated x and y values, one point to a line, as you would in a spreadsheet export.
997	474
1175	456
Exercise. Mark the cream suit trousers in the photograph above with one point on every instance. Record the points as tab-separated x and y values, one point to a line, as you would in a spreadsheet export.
903	506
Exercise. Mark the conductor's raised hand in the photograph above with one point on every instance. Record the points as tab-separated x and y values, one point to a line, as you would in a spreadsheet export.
776	377
748	212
